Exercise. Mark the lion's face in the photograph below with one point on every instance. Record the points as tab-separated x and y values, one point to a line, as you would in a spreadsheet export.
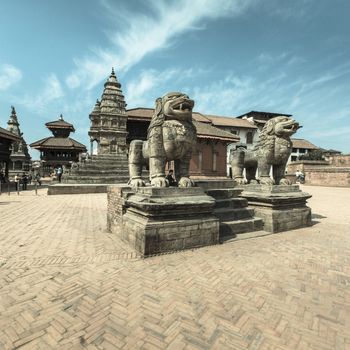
282	126
177	106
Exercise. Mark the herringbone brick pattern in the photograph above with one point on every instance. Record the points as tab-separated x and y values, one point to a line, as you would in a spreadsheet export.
67	284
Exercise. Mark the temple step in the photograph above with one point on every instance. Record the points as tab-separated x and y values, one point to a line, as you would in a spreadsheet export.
102	171
225	214
223	193
231	203
228	229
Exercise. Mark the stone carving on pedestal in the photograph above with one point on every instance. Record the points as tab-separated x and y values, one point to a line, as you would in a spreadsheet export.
171	136
282	206
272	150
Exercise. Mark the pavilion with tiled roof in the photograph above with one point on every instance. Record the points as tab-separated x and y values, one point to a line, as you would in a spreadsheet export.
58	150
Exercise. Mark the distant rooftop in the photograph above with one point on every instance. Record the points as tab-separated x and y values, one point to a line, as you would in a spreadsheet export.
302	143
264	115
141	113
207	131
201	122
231	121
9	135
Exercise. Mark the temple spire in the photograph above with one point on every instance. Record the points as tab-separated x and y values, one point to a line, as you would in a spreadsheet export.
108	118
19	151
97	108
12	123
112	99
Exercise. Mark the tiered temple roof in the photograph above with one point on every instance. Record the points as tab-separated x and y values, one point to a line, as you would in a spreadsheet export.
61	140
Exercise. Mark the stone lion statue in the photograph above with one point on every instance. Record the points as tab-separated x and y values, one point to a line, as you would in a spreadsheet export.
171	136
272	150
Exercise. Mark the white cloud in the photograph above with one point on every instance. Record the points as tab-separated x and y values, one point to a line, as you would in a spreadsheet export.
146	34
9	75
153	83
51	92
226	95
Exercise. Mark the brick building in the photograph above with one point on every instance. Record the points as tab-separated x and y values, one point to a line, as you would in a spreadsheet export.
209	156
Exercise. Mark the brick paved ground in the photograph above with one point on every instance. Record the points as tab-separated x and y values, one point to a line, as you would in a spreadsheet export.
67	284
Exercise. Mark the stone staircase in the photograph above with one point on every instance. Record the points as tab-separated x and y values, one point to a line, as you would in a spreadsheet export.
99	169
232	210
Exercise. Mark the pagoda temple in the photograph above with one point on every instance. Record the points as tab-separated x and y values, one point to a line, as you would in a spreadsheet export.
108	160
19	157
59	150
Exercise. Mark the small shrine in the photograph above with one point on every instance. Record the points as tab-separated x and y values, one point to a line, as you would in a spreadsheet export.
19	157
59	150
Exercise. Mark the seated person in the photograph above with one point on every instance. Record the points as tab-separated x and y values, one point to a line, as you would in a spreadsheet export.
170	178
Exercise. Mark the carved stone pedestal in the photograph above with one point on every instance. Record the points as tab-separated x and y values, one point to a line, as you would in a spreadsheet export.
281	207
156	220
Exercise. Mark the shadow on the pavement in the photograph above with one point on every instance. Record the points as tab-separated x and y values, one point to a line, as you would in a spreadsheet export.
315	219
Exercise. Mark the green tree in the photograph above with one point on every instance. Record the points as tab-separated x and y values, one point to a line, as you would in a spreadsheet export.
315	154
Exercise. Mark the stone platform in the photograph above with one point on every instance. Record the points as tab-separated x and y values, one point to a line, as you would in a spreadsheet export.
281	207
63	188
100	169
157	220
233	212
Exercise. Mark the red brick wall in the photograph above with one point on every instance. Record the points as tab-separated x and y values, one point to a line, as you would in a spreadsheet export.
337	177
321	173
340	160
207	148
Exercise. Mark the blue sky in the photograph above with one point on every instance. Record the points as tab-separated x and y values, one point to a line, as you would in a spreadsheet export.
231	56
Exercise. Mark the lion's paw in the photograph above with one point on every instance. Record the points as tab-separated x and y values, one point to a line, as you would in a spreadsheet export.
159	181
266	180
285	182
186	182
136	183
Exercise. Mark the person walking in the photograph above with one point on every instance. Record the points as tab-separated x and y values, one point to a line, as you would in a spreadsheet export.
38	179
17	180
59	173
24	181
2	177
